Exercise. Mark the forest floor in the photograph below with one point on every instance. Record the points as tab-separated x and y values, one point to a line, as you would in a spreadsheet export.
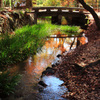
80	68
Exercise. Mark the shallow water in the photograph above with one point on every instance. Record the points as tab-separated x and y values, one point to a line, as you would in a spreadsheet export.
32	68
54	90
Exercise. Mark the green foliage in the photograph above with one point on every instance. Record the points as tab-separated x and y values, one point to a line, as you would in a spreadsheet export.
39	2
6	2
1	9
22	13
8	83
27	10
51	3
88	21
48	2
25	42
71	29
64	3
28	40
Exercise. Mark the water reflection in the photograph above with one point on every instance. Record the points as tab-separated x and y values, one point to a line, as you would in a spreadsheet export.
37	63
83	40
45	57
32	68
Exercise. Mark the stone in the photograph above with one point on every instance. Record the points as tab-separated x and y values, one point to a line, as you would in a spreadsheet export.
59	55
53	65
42	83
48	68
49	71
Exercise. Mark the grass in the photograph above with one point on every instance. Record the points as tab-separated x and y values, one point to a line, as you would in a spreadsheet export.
27	41
8	83
65	29
70	30
16	47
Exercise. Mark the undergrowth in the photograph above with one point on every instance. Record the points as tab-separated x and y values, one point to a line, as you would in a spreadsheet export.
8	83
28	40
18	46
70	30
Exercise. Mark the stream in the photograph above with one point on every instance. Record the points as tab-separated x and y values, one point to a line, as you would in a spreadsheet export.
32	68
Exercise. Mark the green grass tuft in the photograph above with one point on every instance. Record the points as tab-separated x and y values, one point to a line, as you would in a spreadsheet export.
28	40
25	42
8	83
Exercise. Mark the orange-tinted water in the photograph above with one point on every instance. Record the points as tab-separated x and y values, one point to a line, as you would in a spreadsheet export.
32	68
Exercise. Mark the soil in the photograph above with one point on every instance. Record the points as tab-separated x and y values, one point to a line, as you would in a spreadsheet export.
80	68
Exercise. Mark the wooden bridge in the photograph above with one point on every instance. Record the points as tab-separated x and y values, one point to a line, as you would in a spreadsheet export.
58	12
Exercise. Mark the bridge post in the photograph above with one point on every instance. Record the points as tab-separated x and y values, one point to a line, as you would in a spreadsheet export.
35	18
59	19
56	19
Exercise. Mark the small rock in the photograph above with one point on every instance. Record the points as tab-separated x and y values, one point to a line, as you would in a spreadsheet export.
0	72
48	71
44	72
59	55
40	88
53	65
78	67
42	83
48	68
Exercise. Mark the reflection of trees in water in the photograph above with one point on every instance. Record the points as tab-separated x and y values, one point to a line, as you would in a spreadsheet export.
49	51
72	42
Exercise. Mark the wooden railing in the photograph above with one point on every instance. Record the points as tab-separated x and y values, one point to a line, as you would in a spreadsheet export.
57	9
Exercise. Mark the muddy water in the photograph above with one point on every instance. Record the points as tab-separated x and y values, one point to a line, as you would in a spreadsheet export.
32	68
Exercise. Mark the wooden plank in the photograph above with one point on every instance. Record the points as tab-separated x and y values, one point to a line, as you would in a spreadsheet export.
64	36
63	8
59	13
57	9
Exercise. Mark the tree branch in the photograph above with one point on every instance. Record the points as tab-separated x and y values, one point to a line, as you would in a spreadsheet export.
95	16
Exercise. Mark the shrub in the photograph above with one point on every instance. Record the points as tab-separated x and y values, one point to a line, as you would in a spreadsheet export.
24	42
27	41
8	83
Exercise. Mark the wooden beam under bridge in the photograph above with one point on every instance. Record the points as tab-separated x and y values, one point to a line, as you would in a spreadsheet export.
64	36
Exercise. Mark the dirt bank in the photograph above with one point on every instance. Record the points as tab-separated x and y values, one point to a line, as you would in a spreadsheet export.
13	19
80	69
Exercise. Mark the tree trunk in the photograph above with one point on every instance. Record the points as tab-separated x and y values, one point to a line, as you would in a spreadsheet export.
1	3
95	16
12	6
29	3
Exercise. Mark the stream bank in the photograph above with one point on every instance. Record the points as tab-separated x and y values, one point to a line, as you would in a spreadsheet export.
32	69
80	69
13	19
